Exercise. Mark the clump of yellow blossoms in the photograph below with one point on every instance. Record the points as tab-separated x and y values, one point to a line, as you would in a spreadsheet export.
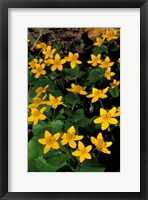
97	94
57	63
73	59
36	115
106	63
95	60
54	102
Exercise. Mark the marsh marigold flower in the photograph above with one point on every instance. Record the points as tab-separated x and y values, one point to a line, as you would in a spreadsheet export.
95	60
97	94
54	102
106	118
100	144
39	70
114	84
98	42
50	141
117	114
37	115
36	102
48	52
57	63
70	137
73	59
41	90
82	152
108	74
41	46
106	63
77	89
33	63
110	35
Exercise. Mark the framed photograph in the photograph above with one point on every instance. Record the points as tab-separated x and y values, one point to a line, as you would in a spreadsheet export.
73	99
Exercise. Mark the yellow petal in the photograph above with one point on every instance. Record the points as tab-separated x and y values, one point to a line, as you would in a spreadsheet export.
108	144
113	121
42	117
88	148
60	67
47	134
72	144
87	156
56	136
47	148
71	129
102	111
42	141
93	140
53	68
105	90
83	92
95	99
73	64
57	57
112	111
59	98
82	158
43	109
98	120
81	145
78	137
55	145
99	136
76	153
104	125
51	97
64	141
35	122
105	150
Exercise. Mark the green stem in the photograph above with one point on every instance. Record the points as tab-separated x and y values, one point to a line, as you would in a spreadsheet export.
101	103
74	103
53	114
71	167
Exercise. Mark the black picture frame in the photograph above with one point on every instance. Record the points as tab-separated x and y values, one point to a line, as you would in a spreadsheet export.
4	6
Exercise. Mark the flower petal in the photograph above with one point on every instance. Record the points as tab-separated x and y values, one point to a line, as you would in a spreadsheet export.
64	141
102	111
113	121
78	137
104	125
80	145
88	148
47	134
98	120
82	158
93	140
42	141
71	129
46	148
56	136
72	144
108	144
87	156
112	111
76	153
55	145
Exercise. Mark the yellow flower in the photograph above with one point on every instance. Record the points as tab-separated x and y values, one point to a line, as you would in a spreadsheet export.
70	137
110	35
49	141
41	45
39	70
77	89
99	41
41	90
106	63
57	63
106	118
95	60
33	63
36	102
108	74
100	144
117	114
37	115
114	84
73	59
54	102
97	94
82	152
118	60
48	52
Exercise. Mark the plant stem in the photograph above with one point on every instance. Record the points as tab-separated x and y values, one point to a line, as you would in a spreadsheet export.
101	103
53	114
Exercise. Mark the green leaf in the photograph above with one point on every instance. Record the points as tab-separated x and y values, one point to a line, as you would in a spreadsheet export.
96	75
72	72
39	165
35	149
114	92
71	97
90	166
99	50
78	115
68	112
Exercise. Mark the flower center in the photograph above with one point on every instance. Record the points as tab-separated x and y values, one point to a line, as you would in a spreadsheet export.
39	69
83	151
107	73
100	145
55	101
96	59
106	117
57	62
50	140
70	136
74	58
36	113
